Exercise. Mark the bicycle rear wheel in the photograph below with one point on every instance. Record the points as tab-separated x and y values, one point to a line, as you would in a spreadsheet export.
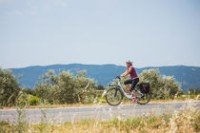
144	99
114	96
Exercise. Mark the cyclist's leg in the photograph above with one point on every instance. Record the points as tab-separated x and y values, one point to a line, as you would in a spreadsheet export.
134	83
127	83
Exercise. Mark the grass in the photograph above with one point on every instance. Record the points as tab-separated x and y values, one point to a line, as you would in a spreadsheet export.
178	122
126	101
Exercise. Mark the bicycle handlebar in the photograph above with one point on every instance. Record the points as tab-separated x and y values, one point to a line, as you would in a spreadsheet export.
118	77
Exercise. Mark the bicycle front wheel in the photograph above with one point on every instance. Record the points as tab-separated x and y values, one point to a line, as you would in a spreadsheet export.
114	96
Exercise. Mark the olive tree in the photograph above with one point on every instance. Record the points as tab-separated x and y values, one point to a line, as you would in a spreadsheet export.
9	88
46	88
161	86
64	87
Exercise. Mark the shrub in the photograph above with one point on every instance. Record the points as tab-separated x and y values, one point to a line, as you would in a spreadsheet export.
29	91
162	87
9	88
64	87
33	100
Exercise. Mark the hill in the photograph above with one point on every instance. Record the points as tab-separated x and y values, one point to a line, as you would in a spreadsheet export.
188	77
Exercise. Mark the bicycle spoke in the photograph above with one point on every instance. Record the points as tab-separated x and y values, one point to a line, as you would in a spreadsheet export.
114	97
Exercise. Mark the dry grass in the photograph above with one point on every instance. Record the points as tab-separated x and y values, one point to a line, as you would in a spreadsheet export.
103	103
187	121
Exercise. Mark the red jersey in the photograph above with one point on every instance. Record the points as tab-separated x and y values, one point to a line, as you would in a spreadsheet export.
133	74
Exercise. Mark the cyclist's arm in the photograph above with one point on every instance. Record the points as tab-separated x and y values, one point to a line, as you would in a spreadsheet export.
124	74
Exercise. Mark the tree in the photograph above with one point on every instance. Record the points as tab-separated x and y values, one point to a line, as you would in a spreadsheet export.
29	91
161	86
46	89
64	87
193	91
9	88
100	87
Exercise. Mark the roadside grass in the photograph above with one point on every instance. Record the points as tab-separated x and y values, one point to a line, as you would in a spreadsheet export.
5	127
187	120
102	102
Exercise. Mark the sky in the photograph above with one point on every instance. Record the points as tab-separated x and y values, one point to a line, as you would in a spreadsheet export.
147	32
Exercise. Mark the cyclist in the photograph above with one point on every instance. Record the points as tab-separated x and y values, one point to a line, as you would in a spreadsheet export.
134	79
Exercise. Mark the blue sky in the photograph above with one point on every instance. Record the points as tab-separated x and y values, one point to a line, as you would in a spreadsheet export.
148	32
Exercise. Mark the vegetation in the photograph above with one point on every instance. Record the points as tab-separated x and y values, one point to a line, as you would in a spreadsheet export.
187	76
162	87
9	88
29	91
193	91
178	122
33	100
21	125
64	88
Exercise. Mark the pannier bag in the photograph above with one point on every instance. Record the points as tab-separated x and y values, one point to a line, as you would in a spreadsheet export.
144	87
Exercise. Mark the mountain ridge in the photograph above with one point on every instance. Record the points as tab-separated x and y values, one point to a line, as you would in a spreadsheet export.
187	76
101	65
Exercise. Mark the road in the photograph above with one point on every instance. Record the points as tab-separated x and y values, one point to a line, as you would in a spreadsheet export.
71	114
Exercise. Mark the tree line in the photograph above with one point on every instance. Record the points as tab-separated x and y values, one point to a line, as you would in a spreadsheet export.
65	87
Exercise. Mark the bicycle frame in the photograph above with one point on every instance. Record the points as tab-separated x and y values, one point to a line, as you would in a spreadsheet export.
129	96
122	89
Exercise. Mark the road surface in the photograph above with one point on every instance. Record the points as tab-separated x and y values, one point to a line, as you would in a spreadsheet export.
71	114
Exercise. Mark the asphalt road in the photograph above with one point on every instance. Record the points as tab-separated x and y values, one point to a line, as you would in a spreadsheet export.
71	114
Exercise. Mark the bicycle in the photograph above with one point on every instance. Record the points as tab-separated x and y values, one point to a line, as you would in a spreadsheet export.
115	95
